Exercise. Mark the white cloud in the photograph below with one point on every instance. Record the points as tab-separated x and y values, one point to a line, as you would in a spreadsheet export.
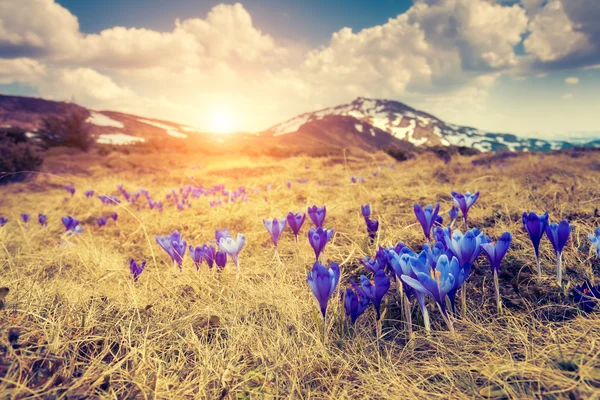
22	70
572	80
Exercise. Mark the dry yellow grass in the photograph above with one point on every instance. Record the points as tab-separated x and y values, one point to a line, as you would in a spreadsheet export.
87	330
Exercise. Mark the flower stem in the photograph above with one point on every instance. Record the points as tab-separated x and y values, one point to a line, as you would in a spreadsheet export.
539	267
447	319
325	329
426	320
559	268
498	299
463	300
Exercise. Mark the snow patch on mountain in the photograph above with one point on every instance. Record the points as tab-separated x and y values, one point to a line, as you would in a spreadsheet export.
170	130
99	119
118	139
358	127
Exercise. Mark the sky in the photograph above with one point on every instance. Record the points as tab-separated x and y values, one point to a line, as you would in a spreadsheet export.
529	67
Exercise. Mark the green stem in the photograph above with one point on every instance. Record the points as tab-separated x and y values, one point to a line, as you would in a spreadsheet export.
498	299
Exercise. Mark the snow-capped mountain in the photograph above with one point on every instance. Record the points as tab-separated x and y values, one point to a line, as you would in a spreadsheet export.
419	128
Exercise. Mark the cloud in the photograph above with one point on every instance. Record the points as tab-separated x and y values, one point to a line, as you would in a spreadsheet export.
572	80
21	70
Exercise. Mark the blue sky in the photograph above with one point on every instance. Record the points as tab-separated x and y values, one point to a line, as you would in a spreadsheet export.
530	67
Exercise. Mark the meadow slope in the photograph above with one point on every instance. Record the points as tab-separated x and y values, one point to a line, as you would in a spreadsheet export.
86	329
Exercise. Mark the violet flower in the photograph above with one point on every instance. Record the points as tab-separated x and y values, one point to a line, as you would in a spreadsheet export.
102	221
70	189
366	210
536	226
495	254
586	295
175	247
233	247
372	228
25	217
427	217
43	219
114	216
464	202
373	265
317	215
220	259
3	221
322	282
374	290
453	214
275	227
72	225
559	235
595	240
136	269
88	193
295	221
318	238
221	233
203	253
355	304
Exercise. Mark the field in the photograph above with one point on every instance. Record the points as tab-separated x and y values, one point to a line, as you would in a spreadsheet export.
79	326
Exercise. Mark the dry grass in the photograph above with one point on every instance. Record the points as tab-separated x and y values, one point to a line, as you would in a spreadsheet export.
87	330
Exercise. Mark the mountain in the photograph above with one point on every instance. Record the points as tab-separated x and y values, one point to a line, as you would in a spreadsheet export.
368	124
402	122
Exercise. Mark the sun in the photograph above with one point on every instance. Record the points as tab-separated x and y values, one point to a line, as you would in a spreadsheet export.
222	121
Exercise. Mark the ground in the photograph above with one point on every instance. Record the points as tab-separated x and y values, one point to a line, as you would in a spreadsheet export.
75	323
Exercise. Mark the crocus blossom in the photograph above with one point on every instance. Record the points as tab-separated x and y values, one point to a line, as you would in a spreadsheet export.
366	210
220	259
221	233
372	228
275	227
427	217
373	265
464	202
374	290
25	217
88	193
136	269
453	214
355	304
114	216
595	240
175	247
203	253
559	235
232	247
71	225
318	238
317	215
3	221
586	295
323	281
536	226
295	221
43	219
495	254
102	221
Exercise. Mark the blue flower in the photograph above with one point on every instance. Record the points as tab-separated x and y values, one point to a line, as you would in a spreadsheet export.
535	226
295	221
317	215
366	210
427	217
3	221
275	227
72	225
220	259
102	221
175	247
495	253
25	217
595	240
355	304
464	202
323	281
318	238
453	214
136	269
43	219
559	234
232	247
374	290
586	296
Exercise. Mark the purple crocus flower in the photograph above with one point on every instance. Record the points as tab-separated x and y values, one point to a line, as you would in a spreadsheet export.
289	185
374	290
70	189
372	228
439	232
71	225
102	221
43	219
275	227
318	238
586	295
353	179
355	304
373	265
88	193
233	247
25	217
295	221
220	259
3	221
464	202
201	253
136	269
221	233
437	283
495	254
114	216
433	253
175	247
323	281
595	240
453	214
427	217
366	210
536	226
317	215
559	235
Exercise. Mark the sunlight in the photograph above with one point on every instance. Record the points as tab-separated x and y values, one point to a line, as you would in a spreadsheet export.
222	121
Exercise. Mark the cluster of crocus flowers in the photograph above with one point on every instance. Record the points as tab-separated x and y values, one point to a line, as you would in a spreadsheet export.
174	246
427	217
495	253
559	235
372	225
203	253
230	246
464	202
136	269
275	227
71	225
